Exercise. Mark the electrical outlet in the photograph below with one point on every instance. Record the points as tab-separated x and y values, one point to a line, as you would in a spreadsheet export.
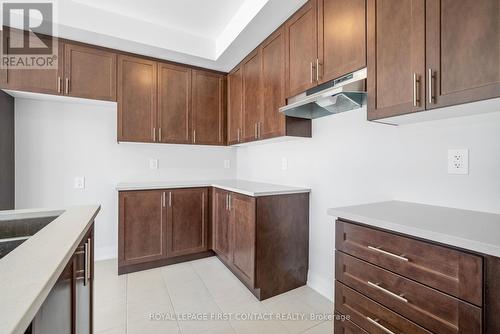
458	161
284	163
79	182
227	164
153	163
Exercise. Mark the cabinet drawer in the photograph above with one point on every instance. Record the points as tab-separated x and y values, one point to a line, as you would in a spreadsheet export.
371	316
425	306
451	271
346	327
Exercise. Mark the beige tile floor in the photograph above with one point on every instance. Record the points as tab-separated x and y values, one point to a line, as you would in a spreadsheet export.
206	297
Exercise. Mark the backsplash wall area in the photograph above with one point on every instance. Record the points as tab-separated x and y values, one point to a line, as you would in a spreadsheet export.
351	161
56	142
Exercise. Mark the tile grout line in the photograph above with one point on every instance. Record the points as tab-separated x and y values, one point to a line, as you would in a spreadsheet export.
170	299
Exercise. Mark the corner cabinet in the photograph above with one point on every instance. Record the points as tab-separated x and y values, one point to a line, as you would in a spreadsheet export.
160	227
441	53
264	241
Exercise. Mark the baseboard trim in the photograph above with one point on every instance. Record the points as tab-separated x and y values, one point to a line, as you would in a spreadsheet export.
320	284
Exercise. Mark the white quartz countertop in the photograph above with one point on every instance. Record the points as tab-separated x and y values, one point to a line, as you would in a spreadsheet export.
28	273
249	188
470	230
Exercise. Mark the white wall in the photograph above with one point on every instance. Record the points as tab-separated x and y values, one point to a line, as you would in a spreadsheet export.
56	142
351	161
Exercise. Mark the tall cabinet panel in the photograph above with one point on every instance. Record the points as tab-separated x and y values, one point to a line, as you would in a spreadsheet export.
174	103
208	108
137	92
463	51
221	225
235	106
396	57
341	38
273	85
142	227
302	52
252	96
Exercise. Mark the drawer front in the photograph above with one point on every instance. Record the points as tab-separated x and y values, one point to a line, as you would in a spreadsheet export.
371	316
346	327
434	310
453	272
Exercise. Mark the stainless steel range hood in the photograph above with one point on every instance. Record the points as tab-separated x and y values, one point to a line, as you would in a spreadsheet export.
343	94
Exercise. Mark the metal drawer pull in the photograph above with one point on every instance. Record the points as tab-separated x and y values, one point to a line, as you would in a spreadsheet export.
170	199
416	84
431	93
399	257
86	265
376	323
163	202
312	72
229	202
377	286
89	273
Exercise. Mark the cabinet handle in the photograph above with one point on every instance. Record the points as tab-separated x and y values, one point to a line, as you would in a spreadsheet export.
194	136
381	251
431	78
376	323
89	271
238	135
416	95
59	85
312	72
154	134
256	134
317	69
86	264
258	130
159	134
163	201
170	199
229	202
390	293
67	86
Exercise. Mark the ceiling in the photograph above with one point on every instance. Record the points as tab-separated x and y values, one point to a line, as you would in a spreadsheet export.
215	34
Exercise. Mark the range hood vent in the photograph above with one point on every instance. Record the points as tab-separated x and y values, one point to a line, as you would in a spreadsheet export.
340	95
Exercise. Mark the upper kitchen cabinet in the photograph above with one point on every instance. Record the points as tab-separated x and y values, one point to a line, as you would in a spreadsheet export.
137	92
273	85
462	51
208	108
396	57
89	72
45	81
174	103
234	106
301	49
252	95
341	38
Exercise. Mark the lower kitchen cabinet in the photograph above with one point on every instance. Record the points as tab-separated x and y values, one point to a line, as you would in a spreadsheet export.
160	227
264	241
69	306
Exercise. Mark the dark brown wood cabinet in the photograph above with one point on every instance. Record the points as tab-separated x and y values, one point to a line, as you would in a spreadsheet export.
208	108
187	221
252	95
89	72
174	103
222	229
396	54
462	51
137	98
302	49
142	227
341	38
235	106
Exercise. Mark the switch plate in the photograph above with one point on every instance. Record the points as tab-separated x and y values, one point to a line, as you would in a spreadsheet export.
284	163
153	163
227	164
458	161
79	182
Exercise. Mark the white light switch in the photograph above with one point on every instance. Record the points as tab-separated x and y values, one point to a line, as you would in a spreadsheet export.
153	163
458	161
227	164
284	163
79	182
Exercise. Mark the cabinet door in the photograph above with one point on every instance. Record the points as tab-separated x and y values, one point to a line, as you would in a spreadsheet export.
89	73
243	230
463	51
142	227
396	57
252	95
302	49
136	99
221	225
174	109
208	108
46	81
235	106
273	84
341	37
187	221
